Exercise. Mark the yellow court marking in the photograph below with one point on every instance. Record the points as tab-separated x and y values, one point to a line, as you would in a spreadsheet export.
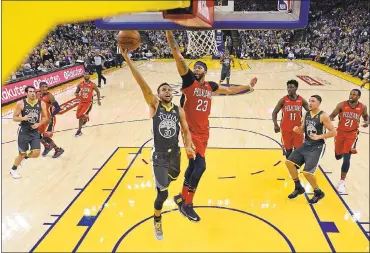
242	199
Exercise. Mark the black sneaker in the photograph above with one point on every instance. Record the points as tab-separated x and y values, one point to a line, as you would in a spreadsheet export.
316	197
179	202
190	213
46	151
297	191
58	153
79	133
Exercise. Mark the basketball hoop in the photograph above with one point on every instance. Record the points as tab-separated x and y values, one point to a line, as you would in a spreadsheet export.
201	43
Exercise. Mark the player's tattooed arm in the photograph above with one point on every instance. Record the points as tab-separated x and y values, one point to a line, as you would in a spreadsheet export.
17	116
336	111
275	113
182	66
97	93
365	116
305	105
151	99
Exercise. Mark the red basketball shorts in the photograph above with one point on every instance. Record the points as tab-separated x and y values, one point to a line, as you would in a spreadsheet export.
200	141
291	140
47	129
344	142
83	109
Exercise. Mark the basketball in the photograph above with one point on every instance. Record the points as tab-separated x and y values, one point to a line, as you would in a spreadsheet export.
129	39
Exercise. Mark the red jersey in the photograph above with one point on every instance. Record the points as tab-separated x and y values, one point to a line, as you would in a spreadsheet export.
45	97
349	118
197	104
86	92
292	113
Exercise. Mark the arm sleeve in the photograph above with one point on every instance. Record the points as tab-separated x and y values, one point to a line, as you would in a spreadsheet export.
188	79
57	108
214	86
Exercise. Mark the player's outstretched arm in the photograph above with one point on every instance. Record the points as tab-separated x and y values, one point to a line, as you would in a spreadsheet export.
236	89
275	113
336	111
97	93
150	98
186	133
365	116
182	66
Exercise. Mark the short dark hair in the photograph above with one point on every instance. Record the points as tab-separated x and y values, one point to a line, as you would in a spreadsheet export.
294	82
29	87
317	97
43	83
162	84
358	92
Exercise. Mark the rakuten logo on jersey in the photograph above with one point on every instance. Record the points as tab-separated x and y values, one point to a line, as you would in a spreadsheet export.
69	74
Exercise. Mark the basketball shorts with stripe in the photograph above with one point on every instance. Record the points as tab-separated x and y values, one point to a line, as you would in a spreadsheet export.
166	167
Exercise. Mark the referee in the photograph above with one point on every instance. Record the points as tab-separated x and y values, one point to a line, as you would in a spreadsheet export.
98	62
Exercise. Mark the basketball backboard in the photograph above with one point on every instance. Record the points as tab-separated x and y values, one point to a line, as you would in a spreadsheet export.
284	14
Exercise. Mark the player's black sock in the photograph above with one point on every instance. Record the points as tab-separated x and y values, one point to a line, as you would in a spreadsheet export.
297	183
317	191
14	167
157	218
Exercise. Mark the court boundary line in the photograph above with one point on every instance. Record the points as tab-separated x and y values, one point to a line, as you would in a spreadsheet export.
139	152
71	203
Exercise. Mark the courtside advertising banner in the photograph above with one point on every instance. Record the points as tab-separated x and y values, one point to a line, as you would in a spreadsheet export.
14	91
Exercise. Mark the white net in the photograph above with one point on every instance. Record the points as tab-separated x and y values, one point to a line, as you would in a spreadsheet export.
201	43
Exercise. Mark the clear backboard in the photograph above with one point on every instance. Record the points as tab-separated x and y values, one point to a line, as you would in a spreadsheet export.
237	14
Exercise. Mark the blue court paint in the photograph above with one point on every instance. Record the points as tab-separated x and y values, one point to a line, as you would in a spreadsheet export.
86	221
343	194
70	204
54	215
329	227
48	224
110	195
144	161
328	172
318	220
96	168
78	189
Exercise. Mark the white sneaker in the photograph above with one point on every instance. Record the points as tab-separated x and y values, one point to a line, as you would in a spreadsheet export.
341	187
15	174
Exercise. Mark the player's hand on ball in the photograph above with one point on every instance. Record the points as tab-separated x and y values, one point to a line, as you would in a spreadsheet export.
253	82
315	137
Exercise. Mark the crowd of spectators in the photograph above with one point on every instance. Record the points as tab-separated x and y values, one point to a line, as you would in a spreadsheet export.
337	35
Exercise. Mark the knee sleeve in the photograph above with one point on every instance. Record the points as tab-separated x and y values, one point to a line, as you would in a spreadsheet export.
161	198
288	152
199	168
338	157
189	171
346	163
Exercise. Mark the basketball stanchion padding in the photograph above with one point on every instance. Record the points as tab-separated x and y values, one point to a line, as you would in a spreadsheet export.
200	14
